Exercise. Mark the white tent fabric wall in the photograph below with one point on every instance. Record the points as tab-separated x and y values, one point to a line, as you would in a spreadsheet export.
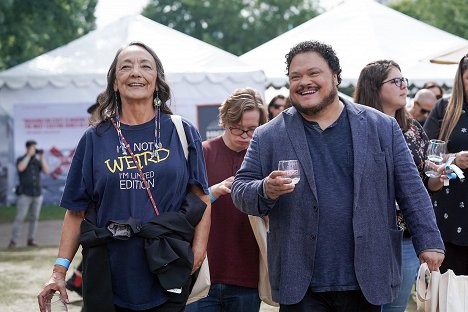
199	74
362	31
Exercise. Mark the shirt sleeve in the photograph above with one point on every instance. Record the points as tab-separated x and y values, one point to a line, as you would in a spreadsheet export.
78	187
196	159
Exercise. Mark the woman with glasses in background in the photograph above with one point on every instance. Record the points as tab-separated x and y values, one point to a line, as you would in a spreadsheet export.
381	86
448	121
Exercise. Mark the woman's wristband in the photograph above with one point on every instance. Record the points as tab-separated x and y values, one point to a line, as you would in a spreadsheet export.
212	197
62	262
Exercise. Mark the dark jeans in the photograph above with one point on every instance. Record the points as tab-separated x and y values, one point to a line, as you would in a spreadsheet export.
227	298
332	301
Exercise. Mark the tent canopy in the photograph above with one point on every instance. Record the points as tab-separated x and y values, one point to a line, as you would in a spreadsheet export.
88	58
362	31
452	56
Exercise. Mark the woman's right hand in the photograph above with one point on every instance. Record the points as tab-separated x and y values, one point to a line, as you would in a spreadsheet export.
55	283
461	160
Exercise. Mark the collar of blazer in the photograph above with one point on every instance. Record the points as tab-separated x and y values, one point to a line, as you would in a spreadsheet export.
296	133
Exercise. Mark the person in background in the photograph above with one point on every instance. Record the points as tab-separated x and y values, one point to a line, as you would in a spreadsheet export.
29	192
382	86
233	253
325	250
435	88
423	103
448	121
128	173
276	106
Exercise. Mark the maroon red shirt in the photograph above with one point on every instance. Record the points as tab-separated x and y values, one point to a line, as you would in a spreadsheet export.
233	252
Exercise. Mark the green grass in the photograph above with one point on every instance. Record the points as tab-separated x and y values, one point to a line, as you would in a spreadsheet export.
48	212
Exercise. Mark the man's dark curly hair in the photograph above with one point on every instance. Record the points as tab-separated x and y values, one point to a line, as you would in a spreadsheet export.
325	50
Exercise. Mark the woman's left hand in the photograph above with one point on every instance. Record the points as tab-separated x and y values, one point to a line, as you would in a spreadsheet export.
436	183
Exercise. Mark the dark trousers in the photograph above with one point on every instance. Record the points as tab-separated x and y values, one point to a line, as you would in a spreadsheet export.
332	301
175	303
456	259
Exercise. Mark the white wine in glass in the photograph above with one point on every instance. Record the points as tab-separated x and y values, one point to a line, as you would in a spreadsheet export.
435	157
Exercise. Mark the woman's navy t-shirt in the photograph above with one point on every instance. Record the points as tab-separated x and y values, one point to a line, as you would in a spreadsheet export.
102	174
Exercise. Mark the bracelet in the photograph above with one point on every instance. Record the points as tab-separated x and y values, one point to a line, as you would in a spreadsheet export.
212	197
63	262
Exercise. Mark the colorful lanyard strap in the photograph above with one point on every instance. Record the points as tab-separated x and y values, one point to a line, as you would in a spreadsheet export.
137	164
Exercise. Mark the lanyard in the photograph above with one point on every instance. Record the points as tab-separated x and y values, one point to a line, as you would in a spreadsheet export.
137	164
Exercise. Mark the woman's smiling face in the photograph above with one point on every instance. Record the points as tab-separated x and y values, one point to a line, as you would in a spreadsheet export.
136	75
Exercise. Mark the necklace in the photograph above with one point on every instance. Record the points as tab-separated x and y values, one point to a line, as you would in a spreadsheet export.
126	148
157	133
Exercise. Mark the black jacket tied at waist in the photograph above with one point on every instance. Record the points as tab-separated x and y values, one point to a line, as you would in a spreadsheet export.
168	250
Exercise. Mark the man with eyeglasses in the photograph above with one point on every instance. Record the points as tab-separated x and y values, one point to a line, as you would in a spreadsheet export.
276	106
435	88
333	241
423	103
233	253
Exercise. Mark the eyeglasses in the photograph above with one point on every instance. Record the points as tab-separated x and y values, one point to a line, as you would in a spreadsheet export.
423	110
276	106
240	132
438	96
397	81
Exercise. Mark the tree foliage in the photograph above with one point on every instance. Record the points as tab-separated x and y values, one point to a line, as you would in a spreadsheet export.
236	26
448	15
29	28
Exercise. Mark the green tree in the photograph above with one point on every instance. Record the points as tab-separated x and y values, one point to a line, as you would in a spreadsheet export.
29	28
236	26
448	15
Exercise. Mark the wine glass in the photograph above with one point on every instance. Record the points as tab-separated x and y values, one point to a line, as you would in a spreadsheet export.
435	157
291	167
54	303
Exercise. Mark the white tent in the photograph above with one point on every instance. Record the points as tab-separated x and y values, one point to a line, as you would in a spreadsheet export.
360	32
197	72
66	81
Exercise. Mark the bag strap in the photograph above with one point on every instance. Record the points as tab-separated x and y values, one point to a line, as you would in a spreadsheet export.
177	120
423	287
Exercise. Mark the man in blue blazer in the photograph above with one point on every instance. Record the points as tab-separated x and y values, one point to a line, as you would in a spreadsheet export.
333	241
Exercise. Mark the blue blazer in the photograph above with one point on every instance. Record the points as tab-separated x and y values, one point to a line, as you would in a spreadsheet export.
384	172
